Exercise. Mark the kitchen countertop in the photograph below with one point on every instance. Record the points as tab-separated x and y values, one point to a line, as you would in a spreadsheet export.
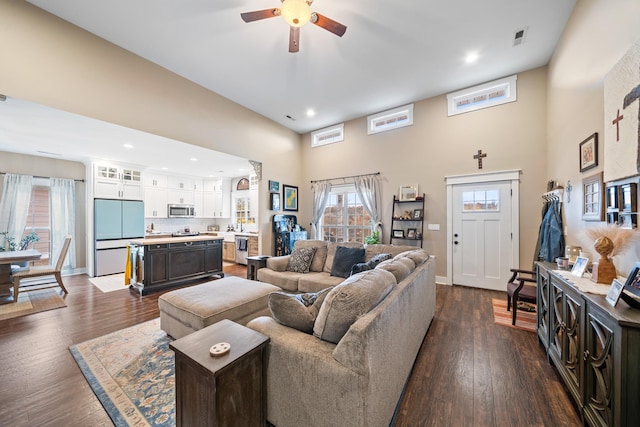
169	239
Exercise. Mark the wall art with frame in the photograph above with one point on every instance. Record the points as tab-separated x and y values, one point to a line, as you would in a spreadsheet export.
290	194
274	186
589	153
275	201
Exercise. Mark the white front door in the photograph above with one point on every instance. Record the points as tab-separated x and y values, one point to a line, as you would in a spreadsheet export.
482	234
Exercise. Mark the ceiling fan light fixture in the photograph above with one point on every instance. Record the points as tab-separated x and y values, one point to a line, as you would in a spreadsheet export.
296	12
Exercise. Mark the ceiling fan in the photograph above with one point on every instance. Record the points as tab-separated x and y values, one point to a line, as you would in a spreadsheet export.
297	13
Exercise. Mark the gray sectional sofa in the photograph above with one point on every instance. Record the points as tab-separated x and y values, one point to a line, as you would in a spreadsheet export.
319	277
348	374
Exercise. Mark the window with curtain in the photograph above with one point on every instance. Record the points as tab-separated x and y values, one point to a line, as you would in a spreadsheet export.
344	218
38	220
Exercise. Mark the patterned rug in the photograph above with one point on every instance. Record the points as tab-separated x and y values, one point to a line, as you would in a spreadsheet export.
32	302
524	320
132	373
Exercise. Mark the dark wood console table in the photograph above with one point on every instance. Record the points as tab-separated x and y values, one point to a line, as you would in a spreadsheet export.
221	391
594	347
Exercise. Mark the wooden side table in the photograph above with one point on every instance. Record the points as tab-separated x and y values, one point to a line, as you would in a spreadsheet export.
254	263
221	391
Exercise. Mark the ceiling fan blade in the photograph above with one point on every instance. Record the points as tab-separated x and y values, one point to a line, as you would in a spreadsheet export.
259	14
328	24
294	39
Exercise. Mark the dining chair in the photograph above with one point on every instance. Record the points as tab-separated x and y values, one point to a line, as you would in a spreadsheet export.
520	288
47	270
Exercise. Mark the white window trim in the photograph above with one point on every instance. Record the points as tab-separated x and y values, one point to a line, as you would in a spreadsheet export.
479	97
391	119
328	135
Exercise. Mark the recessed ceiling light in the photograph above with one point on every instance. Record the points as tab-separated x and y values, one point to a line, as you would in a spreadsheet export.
164	168
127	145
193	159
310	113
471	57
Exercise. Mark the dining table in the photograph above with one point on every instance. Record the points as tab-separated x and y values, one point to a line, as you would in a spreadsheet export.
7	259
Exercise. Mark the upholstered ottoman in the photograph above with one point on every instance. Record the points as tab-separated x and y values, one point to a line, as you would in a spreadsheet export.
187	310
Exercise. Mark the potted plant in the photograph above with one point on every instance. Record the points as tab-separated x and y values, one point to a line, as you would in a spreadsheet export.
373	238
11	245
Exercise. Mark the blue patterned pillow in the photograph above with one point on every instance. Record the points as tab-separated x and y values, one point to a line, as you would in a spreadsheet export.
300	260
371	264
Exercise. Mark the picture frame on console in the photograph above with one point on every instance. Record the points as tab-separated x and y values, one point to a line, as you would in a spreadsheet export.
411	233
631	291
589	153
290	195
398	233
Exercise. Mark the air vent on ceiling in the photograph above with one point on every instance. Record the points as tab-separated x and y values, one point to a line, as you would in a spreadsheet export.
519	36
327	135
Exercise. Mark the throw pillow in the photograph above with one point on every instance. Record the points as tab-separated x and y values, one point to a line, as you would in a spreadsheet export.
301	260
297	311
344	259
346	302
369	265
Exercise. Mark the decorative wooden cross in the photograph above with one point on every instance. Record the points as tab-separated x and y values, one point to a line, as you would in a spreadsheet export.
479	157
616	122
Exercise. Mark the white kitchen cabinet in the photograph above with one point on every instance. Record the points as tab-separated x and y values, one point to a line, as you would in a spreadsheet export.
180	183
117	182
155	202
155	180
216	197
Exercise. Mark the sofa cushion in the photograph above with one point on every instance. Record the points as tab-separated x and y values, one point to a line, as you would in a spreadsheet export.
369	265
331	252
319	257
287	280
399	267
297	311
379	248
300	260
314	282
418	256
344	259
345	303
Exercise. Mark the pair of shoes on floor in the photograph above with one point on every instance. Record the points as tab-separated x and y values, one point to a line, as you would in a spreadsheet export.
524	306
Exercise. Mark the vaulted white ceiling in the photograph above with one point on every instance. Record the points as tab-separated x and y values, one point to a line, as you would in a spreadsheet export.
393	52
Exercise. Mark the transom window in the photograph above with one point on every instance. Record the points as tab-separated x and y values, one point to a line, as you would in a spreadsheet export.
344	218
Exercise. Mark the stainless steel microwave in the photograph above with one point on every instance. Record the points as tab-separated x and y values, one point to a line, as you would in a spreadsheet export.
181	211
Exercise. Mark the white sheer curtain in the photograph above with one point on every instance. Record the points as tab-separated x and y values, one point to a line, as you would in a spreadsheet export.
62	201
369	192
14	205
321	191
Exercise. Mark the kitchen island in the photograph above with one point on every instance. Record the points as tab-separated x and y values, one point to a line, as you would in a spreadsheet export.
165	262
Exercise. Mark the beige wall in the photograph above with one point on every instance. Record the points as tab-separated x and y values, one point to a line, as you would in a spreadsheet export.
598	34
55	168
513	136
51	62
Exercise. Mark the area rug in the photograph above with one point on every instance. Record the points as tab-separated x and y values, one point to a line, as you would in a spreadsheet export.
32	302
110	283
525	320
132	373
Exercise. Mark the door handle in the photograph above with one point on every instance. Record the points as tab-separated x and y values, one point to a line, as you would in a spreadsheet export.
455	242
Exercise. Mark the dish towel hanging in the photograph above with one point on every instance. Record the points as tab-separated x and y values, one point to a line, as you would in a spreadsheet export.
241	244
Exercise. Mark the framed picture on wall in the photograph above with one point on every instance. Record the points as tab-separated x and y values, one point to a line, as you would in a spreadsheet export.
589	153
275	201
290	194
274	186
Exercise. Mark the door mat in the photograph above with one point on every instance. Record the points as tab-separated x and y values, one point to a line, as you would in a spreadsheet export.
524	320
32	302
110	283
131	371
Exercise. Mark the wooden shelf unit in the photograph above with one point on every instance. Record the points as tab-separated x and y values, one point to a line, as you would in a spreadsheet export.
397	217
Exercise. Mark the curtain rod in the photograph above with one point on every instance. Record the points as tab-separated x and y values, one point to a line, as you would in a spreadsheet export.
45	177
346	177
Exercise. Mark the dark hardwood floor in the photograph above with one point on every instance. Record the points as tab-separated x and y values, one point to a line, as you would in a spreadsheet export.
470	372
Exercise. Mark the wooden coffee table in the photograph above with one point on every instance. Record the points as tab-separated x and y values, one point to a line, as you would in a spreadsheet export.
225	390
